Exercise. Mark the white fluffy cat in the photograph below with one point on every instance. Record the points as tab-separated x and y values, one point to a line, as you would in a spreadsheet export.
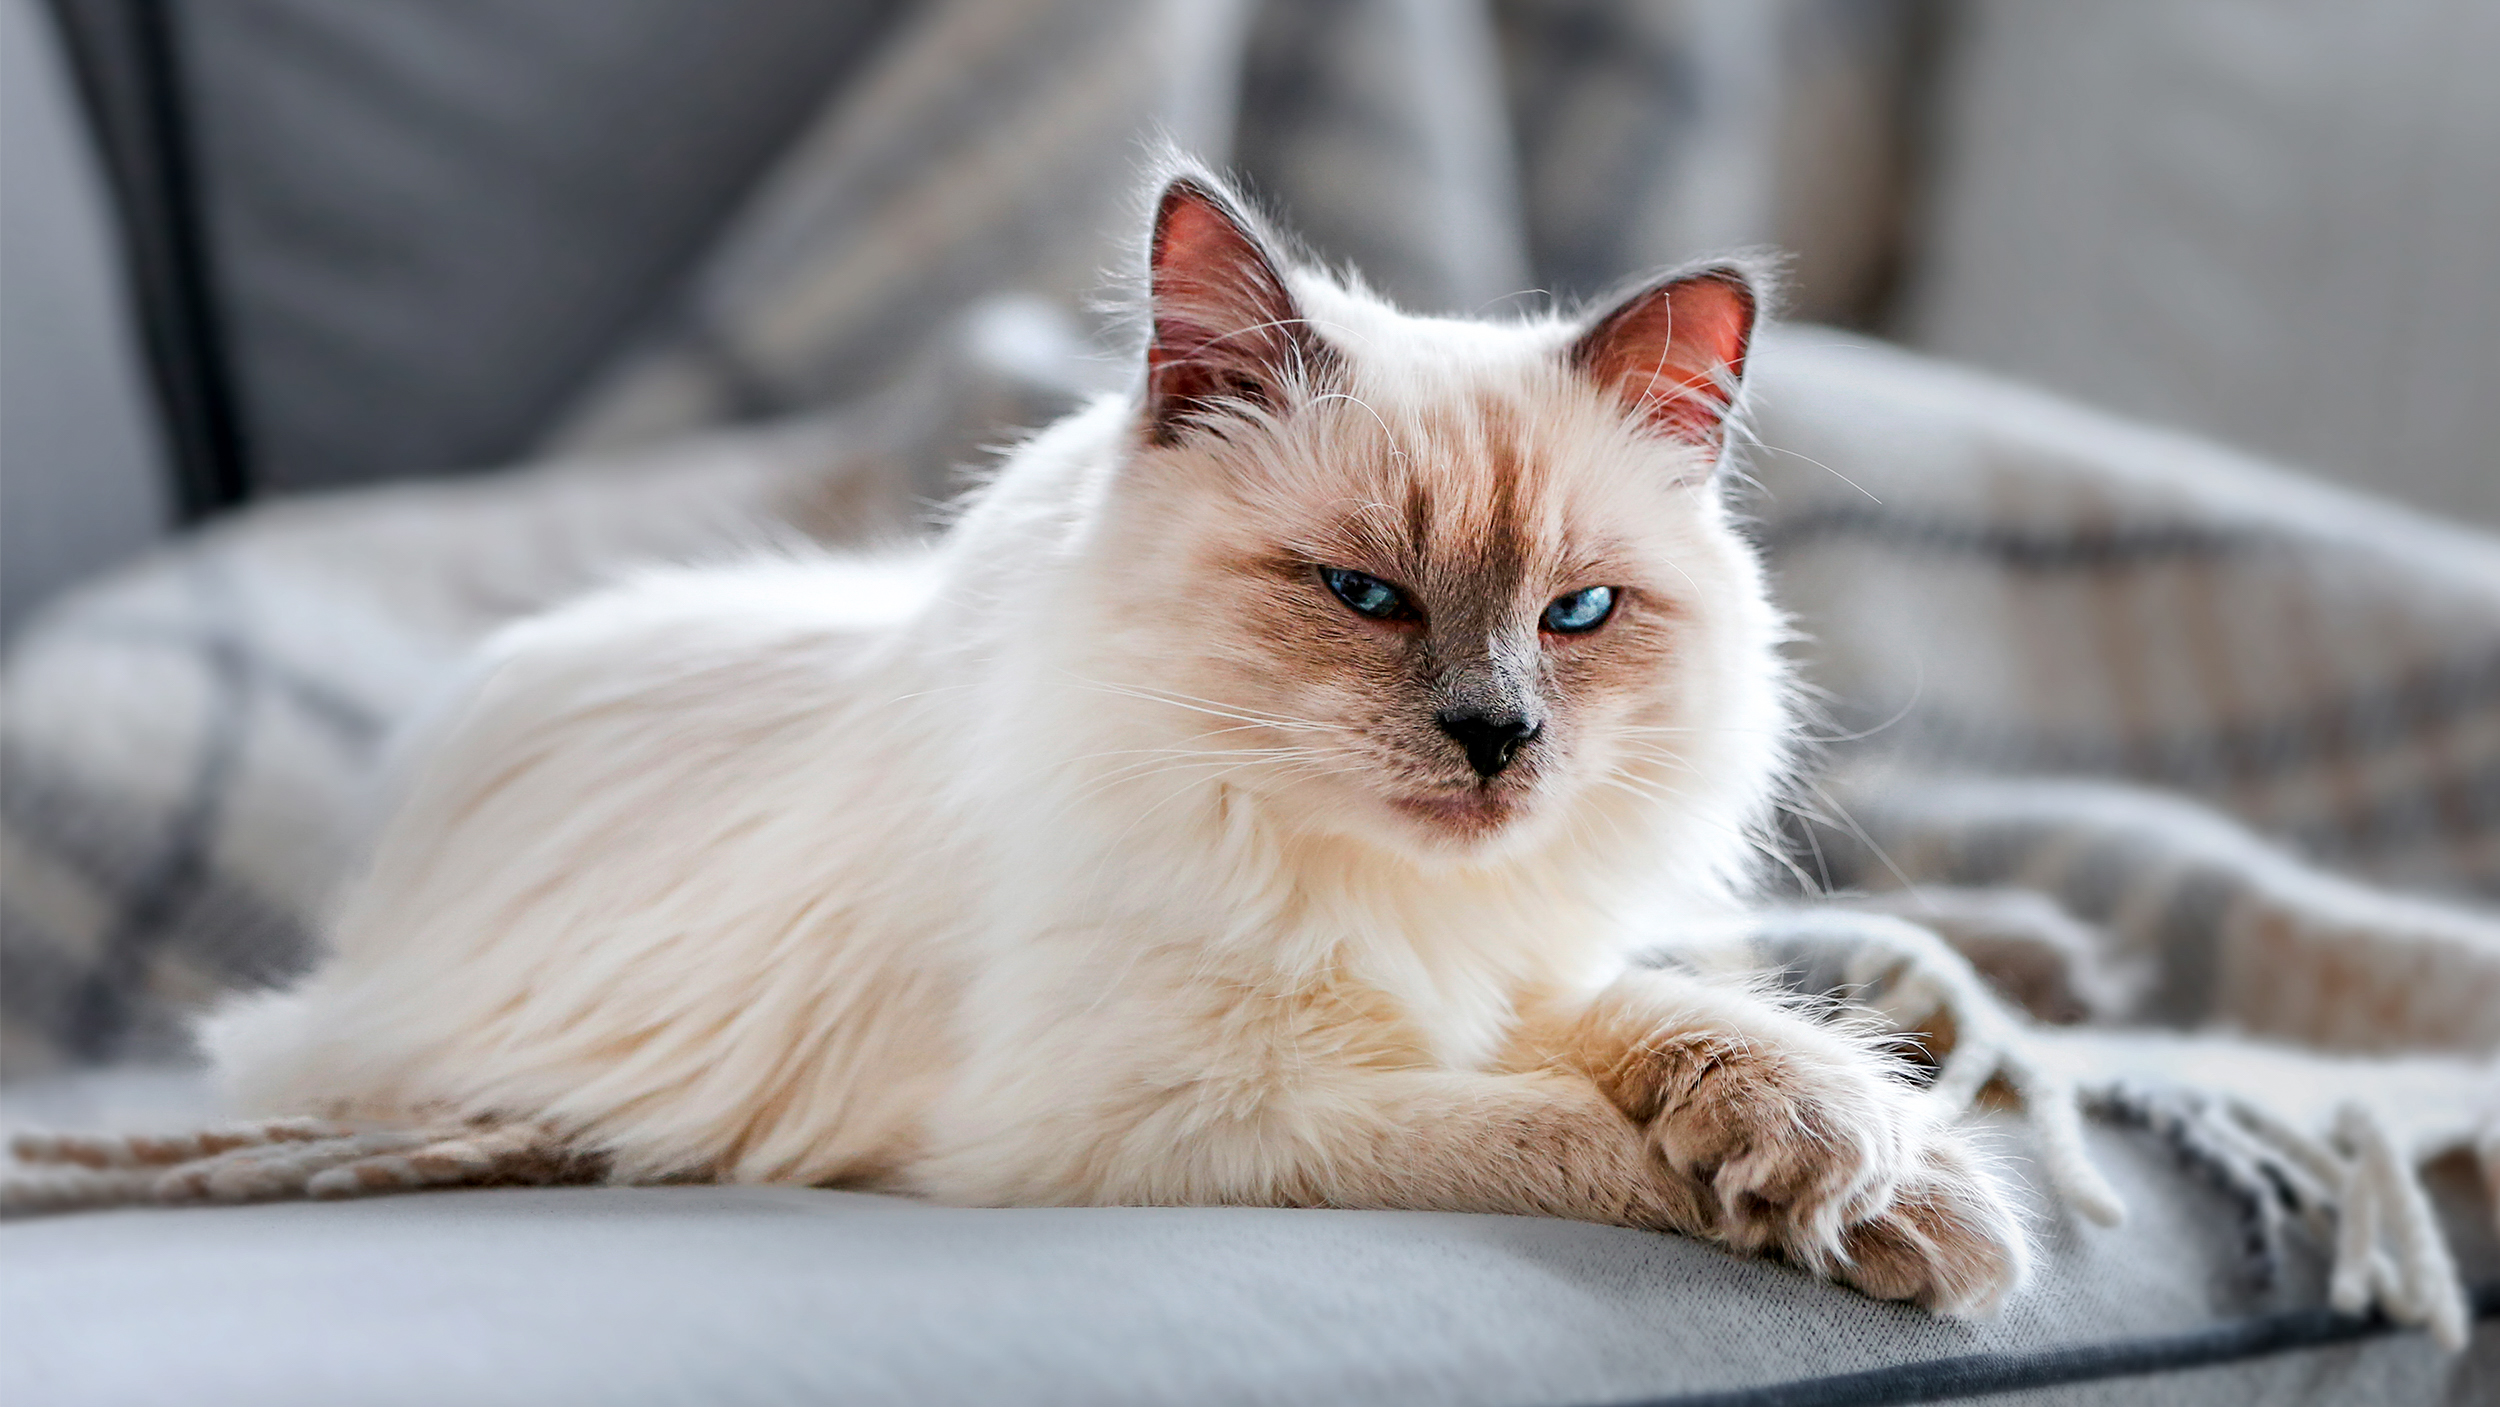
1254	798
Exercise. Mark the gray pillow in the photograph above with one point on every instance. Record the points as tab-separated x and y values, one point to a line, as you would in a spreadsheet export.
430	218
82	479
2270	223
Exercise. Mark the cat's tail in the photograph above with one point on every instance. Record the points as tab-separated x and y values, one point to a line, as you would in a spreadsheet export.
281	1159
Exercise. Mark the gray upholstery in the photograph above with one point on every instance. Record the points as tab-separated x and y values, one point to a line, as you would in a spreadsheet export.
81	475
2272	223
725	1296
433	217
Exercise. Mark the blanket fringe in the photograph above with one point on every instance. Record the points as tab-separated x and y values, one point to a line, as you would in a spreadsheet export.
2351	1186
280	1158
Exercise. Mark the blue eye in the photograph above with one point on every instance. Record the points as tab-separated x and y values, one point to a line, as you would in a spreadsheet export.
1581	611
1368	595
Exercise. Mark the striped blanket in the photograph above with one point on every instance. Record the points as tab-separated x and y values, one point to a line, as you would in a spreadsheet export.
2164	741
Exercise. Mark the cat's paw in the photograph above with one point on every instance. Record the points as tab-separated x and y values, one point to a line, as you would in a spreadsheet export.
1776	1145
1816	1150
1950	1240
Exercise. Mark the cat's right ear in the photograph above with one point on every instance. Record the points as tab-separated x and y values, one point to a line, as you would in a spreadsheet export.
1227	332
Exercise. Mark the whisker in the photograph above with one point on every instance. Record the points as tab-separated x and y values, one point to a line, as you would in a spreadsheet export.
1760	443
1153	767
1192	702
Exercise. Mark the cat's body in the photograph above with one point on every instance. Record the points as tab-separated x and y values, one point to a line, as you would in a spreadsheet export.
1234	808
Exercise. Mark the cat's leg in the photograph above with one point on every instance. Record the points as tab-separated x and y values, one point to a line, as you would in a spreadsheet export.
1533	1143
1763	1155
1916	1218
1543	1143
1793	1135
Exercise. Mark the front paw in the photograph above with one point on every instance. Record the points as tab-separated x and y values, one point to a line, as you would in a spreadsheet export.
1811	1146
1950	1241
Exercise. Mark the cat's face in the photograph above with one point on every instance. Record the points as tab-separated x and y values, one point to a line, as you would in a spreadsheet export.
1448	587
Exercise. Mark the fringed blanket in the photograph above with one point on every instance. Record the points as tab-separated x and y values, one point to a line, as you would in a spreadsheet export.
2164	742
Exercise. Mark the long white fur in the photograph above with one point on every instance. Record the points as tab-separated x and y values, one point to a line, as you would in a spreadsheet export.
760	869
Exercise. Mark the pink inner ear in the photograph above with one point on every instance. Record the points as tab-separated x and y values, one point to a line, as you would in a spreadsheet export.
1225	327
1215	292
1676	352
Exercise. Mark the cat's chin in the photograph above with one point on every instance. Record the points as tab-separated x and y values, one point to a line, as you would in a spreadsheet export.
1467	820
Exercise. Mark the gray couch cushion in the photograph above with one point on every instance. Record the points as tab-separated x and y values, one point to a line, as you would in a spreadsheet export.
2272	223
433	217
81	475
773	1295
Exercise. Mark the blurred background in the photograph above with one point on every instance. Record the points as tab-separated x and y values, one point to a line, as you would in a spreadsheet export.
256	248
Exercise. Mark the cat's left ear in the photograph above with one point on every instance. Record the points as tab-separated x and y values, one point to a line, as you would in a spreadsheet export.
1674	352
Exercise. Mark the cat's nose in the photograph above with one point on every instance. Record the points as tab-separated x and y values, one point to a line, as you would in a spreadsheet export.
1491	739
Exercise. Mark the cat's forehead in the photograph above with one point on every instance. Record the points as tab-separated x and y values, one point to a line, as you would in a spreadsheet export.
1372	335
1476	481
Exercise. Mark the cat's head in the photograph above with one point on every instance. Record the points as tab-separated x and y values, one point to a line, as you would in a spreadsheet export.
1454	588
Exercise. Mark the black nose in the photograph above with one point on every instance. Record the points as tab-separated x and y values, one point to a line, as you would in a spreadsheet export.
1491	739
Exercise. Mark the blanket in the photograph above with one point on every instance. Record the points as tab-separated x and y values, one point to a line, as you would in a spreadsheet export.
2153	784
2219	746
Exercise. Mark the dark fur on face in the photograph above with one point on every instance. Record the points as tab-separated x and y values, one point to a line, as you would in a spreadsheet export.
1291	428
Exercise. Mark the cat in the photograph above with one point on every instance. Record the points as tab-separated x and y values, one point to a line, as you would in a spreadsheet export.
1257	797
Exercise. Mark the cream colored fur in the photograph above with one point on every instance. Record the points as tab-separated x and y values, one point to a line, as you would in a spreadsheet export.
1072	861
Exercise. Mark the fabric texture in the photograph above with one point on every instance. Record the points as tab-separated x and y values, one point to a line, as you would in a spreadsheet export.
432	219
185	747
1461	154
773	1295
997	148
1998	582
2259	220
83	484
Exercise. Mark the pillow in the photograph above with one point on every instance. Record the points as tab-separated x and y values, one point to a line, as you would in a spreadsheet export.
2268	222
431	219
